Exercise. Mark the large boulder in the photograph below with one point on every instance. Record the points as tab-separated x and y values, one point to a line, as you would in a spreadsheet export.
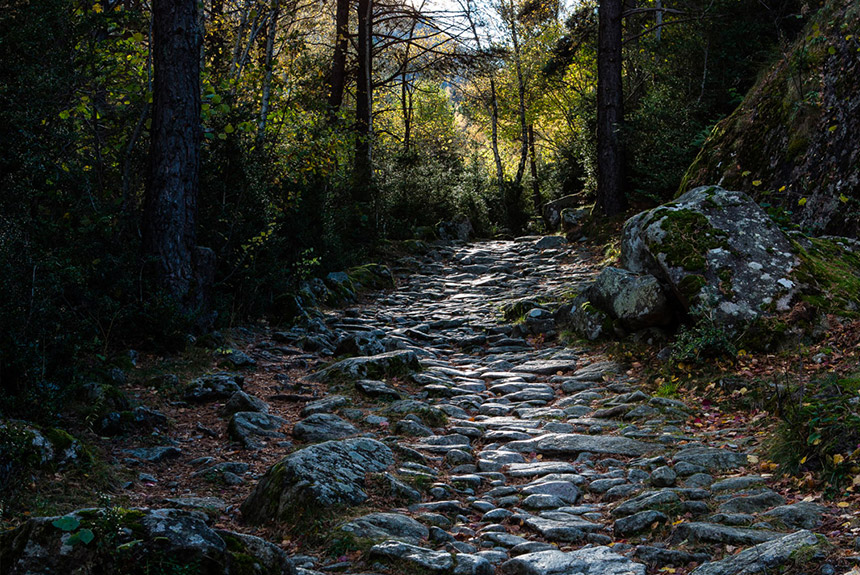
716	247
26	448
316	477
135	542
459	229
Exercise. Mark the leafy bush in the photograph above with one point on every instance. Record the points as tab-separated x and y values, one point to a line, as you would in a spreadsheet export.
704	339
820	431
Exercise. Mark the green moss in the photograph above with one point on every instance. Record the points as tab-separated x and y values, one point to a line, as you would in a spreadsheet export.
691	286
689	236
371	276
830	276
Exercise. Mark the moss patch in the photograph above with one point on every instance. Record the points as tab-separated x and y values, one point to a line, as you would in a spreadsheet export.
689	236
831	276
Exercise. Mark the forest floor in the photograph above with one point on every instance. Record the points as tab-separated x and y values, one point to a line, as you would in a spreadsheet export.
667	464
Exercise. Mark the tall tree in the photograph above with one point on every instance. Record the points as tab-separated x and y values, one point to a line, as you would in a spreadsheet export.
363	166
337	73
170	213
610	109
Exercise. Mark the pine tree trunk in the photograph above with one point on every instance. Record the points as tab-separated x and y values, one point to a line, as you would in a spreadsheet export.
610	110
170	213
337	75
362	169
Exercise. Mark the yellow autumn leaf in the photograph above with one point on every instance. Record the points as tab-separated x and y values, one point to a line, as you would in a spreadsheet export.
752	459
843	504
831	129
756	183
745	173
843	198
782	189
802	461
837	459
801	202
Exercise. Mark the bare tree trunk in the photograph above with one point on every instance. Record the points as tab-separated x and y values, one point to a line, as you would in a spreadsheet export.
494	124
537	201
170	213
406	111
363	166
269	66
337	75
610	110
521	95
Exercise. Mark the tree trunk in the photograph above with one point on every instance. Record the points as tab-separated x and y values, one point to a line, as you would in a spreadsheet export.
269	66
170	213
610	110
363	167
337	74
537	201
521	95
407	111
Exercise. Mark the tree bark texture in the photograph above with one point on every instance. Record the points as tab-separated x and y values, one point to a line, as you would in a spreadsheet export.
170	212
537	200
363	167
610	110
337	75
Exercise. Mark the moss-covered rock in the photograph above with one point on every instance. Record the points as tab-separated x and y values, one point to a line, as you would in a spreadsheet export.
794	142
136	542
717	242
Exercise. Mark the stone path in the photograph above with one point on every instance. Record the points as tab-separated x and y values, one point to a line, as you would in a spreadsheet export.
514	455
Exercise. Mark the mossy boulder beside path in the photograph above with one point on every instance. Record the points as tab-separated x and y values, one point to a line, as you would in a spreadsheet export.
719	244
716	252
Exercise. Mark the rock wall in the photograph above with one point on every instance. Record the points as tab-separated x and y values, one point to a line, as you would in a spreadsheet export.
794	143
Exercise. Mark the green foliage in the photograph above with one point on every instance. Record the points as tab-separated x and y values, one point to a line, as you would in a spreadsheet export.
820	428
704	339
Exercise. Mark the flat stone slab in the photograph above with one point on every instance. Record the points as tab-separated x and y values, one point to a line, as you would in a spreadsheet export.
392	363
385	526
416	557
573	443
546	366
763	558
591	561
539	468
697	532
712	457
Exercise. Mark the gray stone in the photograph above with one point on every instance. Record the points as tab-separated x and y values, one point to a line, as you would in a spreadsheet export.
154	454
703	237
697	532
303	479
763	558
588	561
659	556
212	387
663	477
241	401
323	427
471	564
752	503
550	242
648	500
802	515
325	405
585	319
572	443
382	526
711	458
413	556
247	427
637	301
638	522
374	388
389	364
564	490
